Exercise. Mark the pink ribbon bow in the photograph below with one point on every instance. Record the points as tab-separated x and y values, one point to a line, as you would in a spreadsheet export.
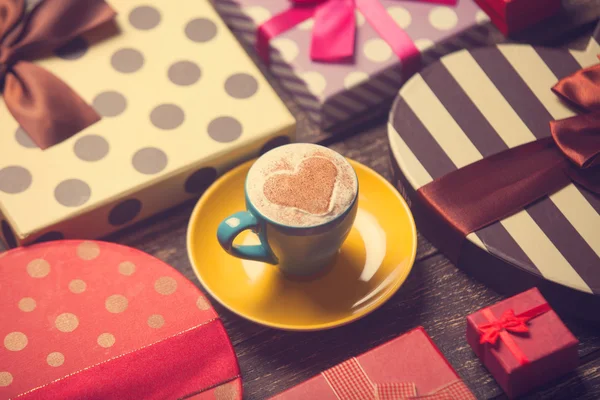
334	30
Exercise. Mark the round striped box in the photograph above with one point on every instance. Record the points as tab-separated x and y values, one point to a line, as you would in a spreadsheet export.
473	104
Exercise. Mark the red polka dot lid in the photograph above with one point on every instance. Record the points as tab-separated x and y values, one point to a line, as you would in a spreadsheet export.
84	319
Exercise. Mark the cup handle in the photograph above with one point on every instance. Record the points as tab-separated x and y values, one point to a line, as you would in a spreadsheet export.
235	224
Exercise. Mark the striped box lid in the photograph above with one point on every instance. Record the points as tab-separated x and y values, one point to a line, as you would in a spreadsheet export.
473	104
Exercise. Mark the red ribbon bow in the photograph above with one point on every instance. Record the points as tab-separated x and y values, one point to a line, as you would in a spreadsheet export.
509	323
350	382
334	30
488	190
45	107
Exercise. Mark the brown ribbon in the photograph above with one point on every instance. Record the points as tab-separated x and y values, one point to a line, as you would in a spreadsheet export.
491	189
45	107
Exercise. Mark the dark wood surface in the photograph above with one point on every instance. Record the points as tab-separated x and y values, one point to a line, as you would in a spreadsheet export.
437	295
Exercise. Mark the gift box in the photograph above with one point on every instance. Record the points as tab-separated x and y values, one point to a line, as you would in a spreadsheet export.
512	16
334	87
95	320
472	142
522	342
406	367
171	99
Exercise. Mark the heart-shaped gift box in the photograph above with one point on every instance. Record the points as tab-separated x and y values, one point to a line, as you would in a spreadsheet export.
98	320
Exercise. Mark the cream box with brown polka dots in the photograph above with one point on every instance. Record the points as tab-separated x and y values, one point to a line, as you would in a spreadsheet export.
181	102
335	94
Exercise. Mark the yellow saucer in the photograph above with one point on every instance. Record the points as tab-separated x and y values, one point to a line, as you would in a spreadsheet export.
373	263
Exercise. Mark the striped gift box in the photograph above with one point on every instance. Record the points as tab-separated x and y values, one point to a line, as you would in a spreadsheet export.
334	93
473	104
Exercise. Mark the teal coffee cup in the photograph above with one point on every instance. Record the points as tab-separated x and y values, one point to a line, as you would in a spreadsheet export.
301	202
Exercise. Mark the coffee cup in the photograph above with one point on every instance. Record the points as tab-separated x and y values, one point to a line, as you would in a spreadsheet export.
301	202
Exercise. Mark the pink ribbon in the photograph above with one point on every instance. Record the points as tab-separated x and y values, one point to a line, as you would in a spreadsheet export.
334	30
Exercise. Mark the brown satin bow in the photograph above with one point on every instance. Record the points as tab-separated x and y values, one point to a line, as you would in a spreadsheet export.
491	189
43	105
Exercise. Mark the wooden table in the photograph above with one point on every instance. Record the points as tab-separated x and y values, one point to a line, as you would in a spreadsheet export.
437	295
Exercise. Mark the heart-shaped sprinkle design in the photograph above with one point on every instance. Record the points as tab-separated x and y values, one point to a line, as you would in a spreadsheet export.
309	188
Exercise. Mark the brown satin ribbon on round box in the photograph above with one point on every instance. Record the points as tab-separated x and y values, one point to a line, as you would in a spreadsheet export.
473	142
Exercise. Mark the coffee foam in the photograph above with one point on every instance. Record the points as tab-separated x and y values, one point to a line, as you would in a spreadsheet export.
301	185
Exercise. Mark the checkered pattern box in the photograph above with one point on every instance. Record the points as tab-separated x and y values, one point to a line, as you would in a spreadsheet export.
332	93
406	367
180	102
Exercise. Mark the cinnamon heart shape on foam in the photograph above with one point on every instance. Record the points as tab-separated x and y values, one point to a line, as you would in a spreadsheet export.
309	188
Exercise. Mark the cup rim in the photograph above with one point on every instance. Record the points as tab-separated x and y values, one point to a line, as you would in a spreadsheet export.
297	229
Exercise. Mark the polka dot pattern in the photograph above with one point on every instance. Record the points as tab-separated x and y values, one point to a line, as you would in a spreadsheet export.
225	129
15	341
106	340
258	14
200	180
14	179
124	212
95	301
77	286
201	30
88	251
144	18
110	104
72	193
184	73
38	268
167	116
116	303
6	378
307	25
127	60
241	86
424	44
316	82
401	15
66	322
24	139
27	304
481	17
165	285
288	49
55	359
156	321
73	50
377	50
202	303
149	161
126	268
355	78
360	19
91	148
172	111
443	18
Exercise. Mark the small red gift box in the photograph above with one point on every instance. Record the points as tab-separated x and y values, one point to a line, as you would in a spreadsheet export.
511	16
407	367
522	342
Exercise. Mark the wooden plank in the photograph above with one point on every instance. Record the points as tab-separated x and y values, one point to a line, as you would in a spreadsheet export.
436	295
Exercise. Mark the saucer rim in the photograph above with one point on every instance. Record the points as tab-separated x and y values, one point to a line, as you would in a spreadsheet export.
307	327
